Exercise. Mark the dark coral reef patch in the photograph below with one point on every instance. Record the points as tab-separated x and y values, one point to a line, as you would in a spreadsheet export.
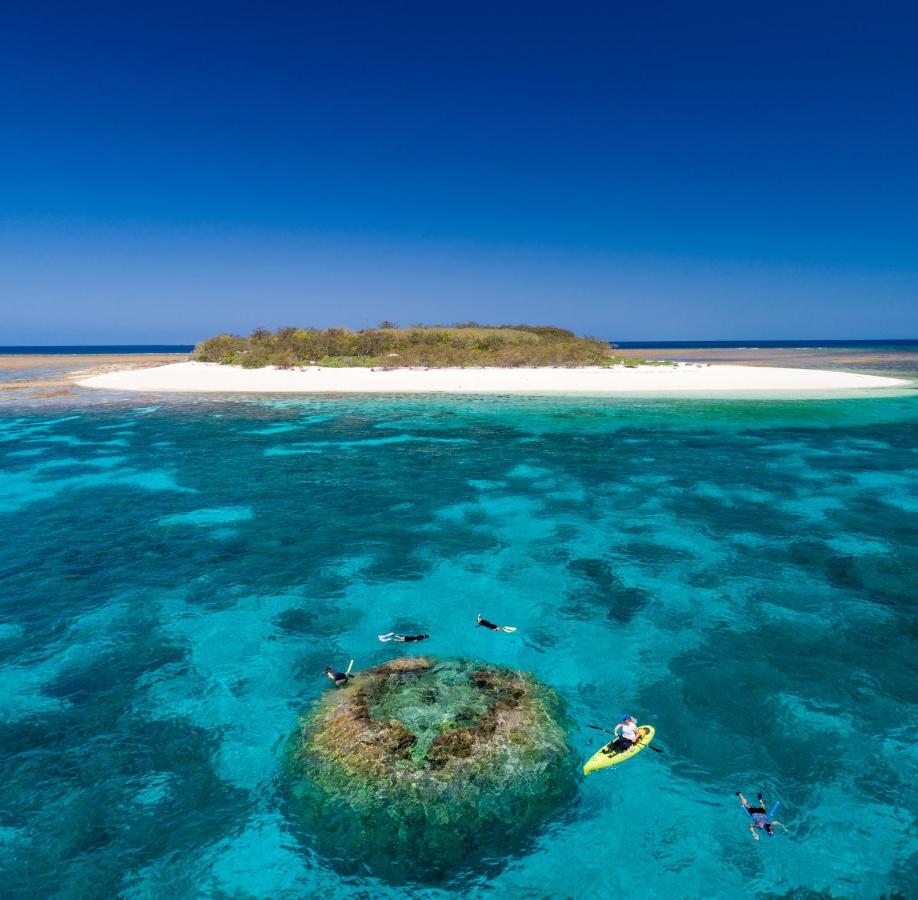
420	767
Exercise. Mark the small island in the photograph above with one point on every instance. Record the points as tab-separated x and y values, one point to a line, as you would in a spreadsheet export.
455	359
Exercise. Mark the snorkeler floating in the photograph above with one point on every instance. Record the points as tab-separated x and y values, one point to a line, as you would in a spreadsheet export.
403	638
760	818
486	624
340	678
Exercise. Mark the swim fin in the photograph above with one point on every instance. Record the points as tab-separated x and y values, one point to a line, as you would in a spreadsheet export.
387	637
508	628
350	666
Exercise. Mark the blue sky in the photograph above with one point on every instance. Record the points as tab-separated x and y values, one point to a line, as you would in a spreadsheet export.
673	171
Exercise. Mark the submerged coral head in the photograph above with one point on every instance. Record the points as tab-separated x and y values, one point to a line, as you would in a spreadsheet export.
419	766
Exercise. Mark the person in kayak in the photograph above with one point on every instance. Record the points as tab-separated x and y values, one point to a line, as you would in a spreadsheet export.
340	678
403	638
625	740
760	818
490	625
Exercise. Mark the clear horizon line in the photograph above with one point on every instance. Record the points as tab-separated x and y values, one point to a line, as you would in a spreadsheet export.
611	340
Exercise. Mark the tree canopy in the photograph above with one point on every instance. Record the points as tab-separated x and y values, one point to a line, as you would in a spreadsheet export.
468	344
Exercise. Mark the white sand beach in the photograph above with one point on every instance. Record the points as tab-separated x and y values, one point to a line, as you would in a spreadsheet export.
197	377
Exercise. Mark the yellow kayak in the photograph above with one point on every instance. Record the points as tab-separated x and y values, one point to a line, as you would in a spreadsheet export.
602	760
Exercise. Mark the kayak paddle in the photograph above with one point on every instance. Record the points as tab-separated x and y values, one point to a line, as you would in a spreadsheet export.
606	730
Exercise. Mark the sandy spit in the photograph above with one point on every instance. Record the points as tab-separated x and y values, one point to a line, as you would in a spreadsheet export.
198	377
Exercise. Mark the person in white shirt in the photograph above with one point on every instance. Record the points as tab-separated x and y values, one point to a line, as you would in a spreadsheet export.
627	737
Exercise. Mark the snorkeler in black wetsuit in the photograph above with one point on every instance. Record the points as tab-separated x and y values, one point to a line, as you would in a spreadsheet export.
490	625
340	678
403	638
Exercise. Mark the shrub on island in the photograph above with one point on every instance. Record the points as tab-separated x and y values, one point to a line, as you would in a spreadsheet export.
434	346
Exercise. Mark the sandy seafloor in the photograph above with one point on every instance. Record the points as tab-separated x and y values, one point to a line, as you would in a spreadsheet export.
741	574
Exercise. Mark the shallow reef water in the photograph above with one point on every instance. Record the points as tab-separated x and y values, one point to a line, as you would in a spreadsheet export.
741	574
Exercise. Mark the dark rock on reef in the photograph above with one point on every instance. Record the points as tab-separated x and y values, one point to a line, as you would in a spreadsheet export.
419	767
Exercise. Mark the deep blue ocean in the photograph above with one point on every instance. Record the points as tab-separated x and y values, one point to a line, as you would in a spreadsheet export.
741	574
72	349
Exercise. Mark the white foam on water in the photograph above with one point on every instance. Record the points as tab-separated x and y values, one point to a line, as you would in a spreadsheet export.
209	516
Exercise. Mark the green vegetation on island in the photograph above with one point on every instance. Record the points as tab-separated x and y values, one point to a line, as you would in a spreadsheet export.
434	346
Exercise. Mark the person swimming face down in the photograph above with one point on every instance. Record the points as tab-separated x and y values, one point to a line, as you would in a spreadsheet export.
484	623
759	816
339	678
403	638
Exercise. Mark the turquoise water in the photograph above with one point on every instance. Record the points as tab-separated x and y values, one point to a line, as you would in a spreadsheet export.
740	574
